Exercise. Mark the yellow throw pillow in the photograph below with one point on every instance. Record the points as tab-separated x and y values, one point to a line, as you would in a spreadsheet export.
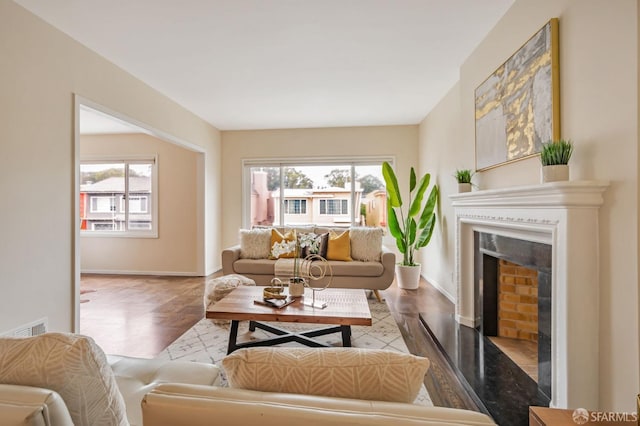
339	247
277	238
371	374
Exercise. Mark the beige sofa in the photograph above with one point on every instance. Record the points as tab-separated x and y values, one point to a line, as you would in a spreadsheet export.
173	404
92	389
373	275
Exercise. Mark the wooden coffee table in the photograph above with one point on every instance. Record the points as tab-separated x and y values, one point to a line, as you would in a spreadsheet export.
345	307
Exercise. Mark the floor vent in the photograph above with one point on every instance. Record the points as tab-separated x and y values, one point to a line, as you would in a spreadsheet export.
33	329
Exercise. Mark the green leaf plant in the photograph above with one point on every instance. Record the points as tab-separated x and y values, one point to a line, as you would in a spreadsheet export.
556	152
413	230
463	175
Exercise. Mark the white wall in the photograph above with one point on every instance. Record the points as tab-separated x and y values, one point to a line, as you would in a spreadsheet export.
41	69
175	251
398	141
443	153
599	112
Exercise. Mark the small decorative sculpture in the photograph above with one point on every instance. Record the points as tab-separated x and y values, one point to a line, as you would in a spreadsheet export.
316	268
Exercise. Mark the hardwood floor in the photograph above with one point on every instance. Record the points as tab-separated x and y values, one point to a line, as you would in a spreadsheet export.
443	384
141	315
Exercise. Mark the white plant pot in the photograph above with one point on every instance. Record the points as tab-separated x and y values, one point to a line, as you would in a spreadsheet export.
556	173
464	187
408	276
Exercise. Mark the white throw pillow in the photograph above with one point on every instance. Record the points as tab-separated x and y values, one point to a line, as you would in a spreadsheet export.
370	374
366	243
255	243
72	365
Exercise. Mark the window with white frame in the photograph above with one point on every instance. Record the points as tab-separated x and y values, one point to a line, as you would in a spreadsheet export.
334	207
295	206
103	204
118	197
137	204
333	191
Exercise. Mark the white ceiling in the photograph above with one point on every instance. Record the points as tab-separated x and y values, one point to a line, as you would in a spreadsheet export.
259	64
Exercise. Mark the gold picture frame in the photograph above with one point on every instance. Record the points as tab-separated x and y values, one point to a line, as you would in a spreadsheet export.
517	108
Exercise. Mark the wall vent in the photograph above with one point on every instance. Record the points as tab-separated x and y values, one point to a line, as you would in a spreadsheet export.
32	329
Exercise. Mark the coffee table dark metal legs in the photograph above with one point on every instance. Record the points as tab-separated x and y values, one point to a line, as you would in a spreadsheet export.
284	336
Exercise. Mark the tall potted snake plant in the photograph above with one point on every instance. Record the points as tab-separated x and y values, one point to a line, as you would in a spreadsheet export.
413	228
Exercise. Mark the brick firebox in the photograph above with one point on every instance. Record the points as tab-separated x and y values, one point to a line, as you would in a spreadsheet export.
517	301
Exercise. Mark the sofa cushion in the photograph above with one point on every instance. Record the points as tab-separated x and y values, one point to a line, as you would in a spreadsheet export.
255	243
254	266
378	375
73	366
339	247
281	244
366	243
298	229
320	246
356	269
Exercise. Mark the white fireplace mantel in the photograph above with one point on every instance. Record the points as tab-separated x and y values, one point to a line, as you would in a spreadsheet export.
565	216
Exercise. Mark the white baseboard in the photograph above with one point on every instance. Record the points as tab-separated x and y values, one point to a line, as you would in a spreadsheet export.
441	289
158	273
213	270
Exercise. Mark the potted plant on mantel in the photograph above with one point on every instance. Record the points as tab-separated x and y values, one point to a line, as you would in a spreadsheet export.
413	230
463	176
554	157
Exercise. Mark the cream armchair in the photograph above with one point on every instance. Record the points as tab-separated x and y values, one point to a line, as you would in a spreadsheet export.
62	379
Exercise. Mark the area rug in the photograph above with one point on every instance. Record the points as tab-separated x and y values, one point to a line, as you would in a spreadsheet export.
207	342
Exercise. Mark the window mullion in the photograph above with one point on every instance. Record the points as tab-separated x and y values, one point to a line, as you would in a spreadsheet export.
126	196
353	194
281	218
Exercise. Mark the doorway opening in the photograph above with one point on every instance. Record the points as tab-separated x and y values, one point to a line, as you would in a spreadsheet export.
139	194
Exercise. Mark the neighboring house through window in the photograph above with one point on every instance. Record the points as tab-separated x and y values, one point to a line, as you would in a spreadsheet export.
298	192
118	197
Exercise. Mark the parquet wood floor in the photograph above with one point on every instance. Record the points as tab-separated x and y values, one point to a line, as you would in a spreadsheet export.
141	315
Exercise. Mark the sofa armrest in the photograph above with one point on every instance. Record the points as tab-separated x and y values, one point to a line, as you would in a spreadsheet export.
173	404
27	405
230	255
388	258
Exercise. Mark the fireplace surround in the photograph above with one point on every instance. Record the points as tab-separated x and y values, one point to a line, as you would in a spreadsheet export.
564	216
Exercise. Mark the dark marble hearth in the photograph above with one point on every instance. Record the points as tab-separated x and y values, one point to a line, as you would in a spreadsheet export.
500	386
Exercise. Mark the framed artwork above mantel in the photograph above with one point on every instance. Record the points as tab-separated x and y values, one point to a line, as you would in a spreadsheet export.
517	108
